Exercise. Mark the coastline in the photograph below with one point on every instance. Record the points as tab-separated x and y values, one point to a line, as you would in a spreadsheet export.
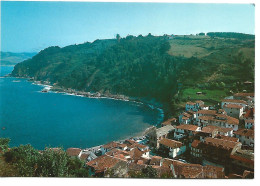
96	95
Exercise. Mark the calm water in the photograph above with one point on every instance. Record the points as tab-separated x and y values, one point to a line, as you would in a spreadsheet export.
55	119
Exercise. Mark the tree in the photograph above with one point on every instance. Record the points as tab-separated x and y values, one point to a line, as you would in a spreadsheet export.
118	38
4	144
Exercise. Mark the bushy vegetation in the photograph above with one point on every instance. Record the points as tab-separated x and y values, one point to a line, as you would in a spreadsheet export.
148	67
25	161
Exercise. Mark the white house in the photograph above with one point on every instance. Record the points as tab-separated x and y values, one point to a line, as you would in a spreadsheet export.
234	101
249	123
233	110
175	147
245	136
182	131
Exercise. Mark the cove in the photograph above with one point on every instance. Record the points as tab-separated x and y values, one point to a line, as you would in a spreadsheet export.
28	116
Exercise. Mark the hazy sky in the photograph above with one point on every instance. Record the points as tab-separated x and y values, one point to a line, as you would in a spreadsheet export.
33	26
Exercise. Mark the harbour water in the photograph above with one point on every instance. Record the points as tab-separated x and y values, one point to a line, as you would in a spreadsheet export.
29	116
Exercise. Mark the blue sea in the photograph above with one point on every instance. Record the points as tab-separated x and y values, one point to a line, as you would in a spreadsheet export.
28	116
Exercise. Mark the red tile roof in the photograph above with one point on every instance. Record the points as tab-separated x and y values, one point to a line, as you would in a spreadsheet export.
233	106
187	127
233	101
155	160
245	132
170	143
101	163
73	151
243	159
110	145
207	112
250	113
169	121
221	143
209	129
195	143
228	138
250	121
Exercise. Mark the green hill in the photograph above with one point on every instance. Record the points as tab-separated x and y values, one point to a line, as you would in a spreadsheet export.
170	71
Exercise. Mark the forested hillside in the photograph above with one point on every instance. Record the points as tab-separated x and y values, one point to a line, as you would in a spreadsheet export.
170	71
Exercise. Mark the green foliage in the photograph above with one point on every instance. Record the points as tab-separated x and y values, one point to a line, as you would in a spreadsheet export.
4	144
49	163
149	172
148	67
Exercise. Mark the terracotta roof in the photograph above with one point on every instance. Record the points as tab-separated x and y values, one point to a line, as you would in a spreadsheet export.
232	106
221	143
210	170
250	113
243	159
184	118
245	132
170	143
190	103
244	94
209	129
233	101
110	145
189	170
233	121
73	151
207	112
224	130
228	138
169	121
195	143
84	156
121	154
103	162
155	160
250	121
136	153
187	127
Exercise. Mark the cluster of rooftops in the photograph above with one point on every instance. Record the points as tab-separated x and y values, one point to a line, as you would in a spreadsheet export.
224	136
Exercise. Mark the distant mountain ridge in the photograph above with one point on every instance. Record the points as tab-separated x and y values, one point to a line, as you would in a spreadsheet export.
10	58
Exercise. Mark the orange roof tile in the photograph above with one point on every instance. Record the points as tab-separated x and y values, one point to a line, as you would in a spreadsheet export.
73	151
187	127
234	101
220	142
170	143
233	106
195	143
245	132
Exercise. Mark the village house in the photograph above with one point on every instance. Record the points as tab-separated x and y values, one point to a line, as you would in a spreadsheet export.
204	113
182	131
219	120
248	97
219	150
208	131
109	146
73	152
195	149
156	160
228	138
87	156
249	124
225	131
233	110
98	166
175	148
250	114
242	160
186	118
234	102
157	134
171	121
245	136
194	106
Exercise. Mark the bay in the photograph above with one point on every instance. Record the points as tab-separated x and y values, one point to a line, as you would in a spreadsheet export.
28	116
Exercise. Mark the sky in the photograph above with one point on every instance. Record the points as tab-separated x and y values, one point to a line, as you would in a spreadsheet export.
33	26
